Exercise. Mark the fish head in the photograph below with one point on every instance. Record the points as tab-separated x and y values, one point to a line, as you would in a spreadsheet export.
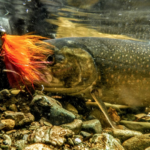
71	69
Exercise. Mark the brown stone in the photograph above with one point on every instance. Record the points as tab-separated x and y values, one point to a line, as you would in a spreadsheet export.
9	124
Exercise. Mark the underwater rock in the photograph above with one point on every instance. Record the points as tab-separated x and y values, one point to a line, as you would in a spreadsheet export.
34	125
138	126
2	126
47	124
19	117
55	135
58	135
122	134
137	143
93	126
75	126
50	109
86	135
13	107
37	146
9	124
4	94
14	91
143	117
81	146
7	140
40	135
105	141
28	119
96	113
70	141
20	144
70	108
77	139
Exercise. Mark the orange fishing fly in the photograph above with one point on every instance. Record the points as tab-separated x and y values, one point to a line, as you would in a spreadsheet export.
24	57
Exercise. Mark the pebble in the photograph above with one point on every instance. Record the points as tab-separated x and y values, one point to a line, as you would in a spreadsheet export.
5	147
20	144
93	126
11	131
34	125
47	124
7	140
137	143
71	108
2	126
86	135
45	106
97	114
15	91
139	116
75	126
58	134
55	135
9	124
122	134
37	146
105	141
70	141
81	146
4	94
19	117
77	139
13	107
138	126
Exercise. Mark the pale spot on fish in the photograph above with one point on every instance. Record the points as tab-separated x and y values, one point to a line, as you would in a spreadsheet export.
89	66
112	76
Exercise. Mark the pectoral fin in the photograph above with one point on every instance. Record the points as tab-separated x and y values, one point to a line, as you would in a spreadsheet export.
101	105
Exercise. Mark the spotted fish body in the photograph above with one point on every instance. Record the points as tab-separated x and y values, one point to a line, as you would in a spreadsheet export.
122	72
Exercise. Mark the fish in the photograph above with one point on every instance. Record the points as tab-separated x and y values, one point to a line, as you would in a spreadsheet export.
102	69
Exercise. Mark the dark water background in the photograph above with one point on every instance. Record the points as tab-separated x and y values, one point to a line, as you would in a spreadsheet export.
78	18
75	18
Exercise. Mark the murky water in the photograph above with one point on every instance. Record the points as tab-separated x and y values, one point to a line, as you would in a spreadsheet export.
113	67
66	18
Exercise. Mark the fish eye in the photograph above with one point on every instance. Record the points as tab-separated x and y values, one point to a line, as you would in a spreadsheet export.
51	59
